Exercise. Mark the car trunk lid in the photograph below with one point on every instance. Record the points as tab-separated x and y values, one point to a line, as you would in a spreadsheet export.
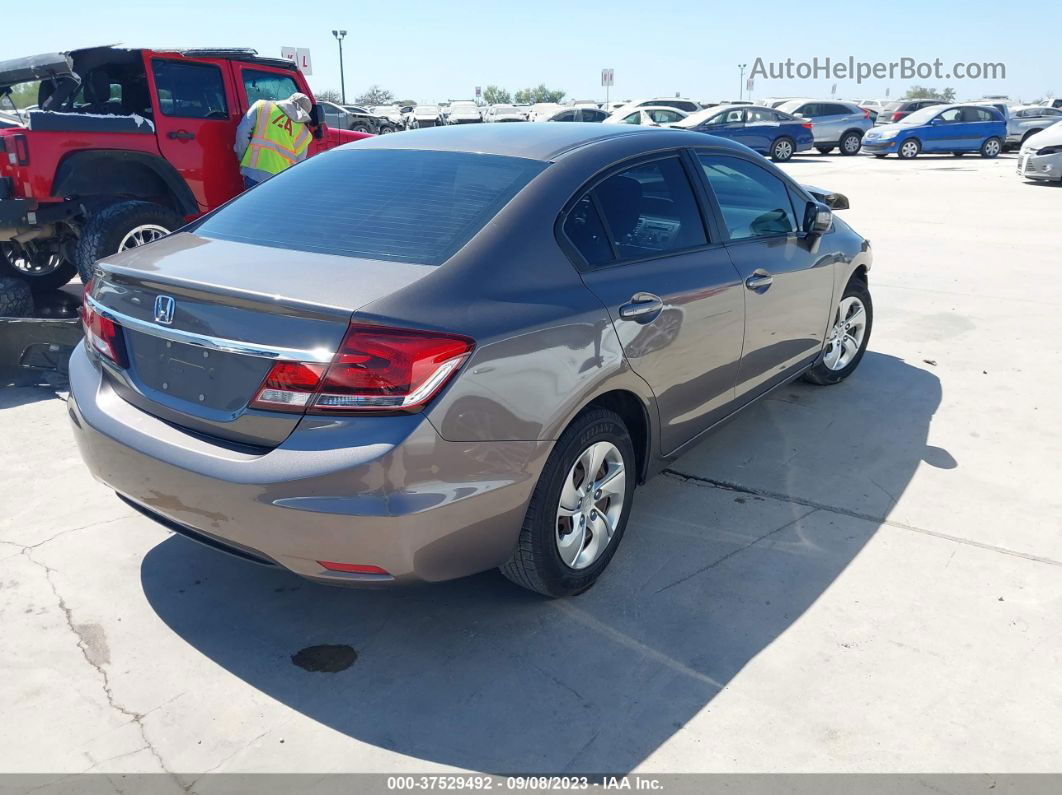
202	326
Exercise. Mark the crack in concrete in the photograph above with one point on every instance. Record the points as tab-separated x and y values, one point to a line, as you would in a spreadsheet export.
819	506
90	657
731	554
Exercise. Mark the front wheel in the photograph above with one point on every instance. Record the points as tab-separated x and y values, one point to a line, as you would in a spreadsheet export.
991	148
781	150
851	143
909	149
848	336
579	509
122	226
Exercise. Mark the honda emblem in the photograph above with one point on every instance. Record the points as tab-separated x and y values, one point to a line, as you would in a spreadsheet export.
164	310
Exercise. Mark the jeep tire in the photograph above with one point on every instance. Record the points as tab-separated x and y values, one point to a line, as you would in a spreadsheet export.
121	226
16	300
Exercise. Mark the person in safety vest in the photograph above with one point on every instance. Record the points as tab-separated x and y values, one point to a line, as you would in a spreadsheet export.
272	136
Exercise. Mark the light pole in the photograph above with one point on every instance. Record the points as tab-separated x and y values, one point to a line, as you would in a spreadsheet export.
340	34
741	81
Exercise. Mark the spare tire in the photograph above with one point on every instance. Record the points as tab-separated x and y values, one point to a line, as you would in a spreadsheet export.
122	226
16	298
42	270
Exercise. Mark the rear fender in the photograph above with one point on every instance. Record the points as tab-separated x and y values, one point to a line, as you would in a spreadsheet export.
132	175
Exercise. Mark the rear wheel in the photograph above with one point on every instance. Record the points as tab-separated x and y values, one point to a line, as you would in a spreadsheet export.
848	336
851	143
120	227
781	150
44	268
991	148
579	509
361	128
909	149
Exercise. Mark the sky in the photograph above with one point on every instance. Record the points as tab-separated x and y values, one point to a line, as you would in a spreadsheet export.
435	51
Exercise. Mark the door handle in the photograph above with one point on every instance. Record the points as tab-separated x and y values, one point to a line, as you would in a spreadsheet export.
760	280
643	308
180	135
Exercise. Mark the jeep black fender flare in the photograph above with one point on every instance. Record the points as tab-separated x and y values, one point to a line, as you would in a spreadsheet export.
118	173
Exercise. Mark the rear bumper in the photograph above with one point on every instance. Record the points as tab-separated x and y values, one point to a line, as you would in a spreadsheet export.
380	491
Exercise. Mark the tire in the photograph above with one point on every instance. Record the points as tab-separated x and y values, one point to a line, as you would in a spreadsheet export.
825	150
42	272
361	128
536	563
108	228
824	373
909	149
851	143
991	148
782	149
16	298
386	128
1029	134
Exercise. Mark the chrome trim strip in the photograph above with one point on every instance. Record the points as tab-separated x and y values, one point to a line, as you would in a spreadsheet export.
319	355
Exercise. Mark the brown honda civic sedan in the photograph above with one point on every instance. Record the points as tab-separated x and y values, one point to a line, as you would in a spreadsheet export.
424	355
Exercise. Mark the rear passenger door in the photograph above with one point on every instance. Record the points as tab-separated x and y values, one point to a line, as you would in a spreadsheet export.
761	128
644	248
195	122
787	279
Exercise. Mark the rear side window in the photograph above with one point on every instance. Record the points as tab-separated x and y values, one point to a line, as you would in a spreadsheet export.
650	210
190	90
404	205
754	202
267	85
584	229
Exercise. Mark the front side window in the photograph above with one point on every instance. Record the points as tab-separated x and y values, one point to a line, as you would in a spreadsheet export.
650	209
405	205
267	85
190	90
754	202
951	115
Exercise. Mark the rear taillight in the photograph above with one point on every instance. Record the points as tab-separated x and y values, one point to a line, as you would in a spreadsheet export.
897	116
103	334
20	156
375	369
866	113
806	125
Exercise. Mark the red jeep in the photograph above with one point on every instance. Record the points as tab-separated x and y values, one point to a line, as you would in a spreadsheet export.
125	146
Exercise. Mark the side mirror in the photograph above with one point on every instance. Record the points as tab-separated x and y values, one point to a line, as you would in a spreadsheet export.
818	219
936	121
317	121
798	115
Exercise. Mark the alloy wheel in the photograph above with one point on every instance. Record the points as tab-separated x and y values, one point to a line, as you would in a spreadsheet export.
590	505
142	235
783	150
852	144
909	149
992	148
41	264
846	336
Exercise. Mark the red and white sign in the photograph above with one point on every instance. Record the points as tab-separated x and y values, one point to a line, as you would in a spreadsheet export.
301	57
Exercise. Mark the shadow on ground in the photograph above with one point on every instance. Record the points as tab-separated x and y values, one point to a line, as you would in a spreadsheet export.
482	675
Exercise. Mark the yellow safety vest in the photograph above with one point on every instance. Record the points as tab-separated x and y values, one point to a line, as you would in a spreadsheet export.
277	142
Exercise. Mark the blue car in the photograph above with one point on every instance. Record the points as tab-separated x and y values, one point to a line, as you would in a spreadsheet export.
768	131
957	129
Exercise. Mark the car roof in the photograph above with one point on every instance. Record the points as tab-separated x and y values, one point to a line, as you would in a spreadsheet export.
543	142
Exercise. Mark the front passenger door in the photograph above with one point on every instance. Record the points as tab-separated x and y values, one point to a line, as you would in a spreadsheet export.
787	279
669	286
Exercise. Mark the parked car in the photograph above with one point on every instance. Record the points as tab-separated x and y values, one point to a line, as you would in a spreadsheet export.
464	112
423	116
1040	157
364	120
575	114
1024	121
771	132
1053	103
391	115
834	123
649	116
126	146
501	113
957	129
678	103
233	398
892	112
342	117
540	110
773	102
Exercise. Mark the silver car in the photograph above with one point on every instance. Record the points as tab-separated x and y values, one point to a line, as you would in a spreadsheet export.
422	356
834	123
1027	121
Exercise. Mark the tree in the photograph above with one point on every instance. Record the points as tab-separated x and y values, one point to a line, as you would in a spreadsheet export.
328	95
540	94
375	96
921	92
493	95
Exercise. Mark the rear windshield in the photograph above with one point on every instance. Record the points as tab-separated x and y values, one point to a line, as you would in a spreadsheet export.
891	106
404	205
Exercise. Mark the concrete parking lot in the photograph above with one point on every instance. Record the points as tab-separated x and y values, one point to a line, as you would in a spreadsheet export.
865	577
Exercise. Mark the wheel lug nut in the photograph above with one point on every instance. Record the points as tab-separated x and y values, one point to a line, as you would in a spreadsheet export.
597	494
